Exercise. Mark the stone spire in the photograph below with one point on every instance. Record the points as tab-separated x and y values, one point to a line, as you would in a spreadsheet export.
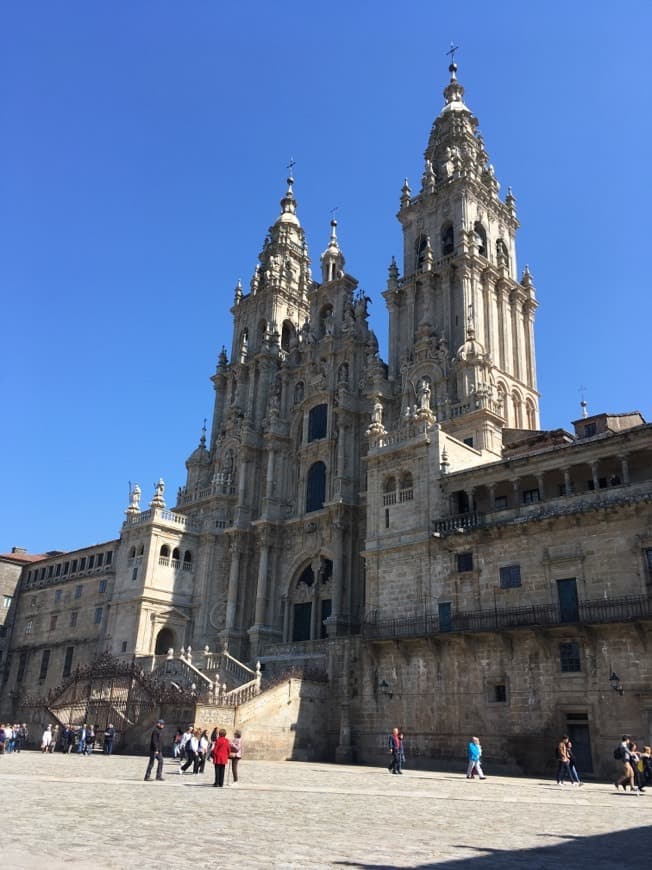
332	260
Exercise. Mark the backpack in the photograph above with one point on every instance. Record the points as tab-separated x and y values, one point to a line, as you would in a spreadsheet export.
618	753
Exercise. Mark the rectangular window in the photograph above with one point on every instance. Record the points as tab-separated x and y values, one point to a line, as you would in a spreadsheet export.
102	587
468	442
109	557
91	562
74	566
66	567
78	591
6	602
58	570
98	615
42	574
45	661
22	664
57	595
510	576
589	430
648	563
50	570
67	662
464	562
569	657
53	621
500	694
530	496
100	560
500	502
28	626
73	618
124	646
82	563
386	518
317	422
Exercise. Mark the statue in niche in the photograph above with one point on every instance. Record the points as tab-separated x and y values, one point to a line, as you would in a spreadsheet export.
377	413
343	374
424	393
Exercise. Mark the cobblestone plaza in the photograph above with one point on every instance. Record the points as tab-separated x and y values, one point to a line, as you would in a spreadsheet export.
78	812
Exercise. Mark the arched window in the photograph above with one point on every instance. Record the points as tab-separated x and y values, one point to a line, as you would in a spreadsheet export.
420	250
244	345
316	487
480	238
317	422
518	410
165	551
405	487
141	549
187	557
287	335
531	414
132	553
447	240
307	576
175	554
389	491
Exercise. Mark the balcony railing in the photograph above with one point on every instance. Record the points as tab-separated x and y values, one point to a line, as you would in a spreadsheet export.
626	609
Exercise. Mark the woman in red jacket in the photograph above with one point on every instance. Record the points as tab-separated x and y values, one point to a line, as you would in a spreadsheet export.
220	757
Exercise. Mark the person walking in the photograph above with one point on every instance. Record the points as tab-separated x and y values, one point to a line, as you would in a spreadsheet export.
202	749
394	744
235	754
220	757
156	752
563	766
623	754
191	749
575	777
475	758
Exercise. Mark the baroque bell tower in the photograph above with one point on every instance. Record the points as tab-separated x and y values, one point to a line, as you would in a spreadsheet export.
461	323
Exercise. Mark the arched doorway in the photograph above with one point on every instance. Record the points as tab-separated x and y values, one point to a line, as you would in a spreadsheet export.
164	641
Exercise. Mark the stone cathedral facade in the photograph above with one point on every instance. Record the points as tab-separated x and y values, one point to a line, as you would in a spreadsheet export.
406	523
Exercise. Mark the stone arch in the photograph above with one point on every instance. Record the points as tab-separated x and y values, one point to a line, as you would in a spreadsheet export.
165	640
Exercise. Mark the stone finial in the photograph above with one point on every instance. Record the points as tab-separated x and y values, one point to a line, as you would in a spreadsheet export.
158	501
222	360
444	465
392	279
237	293
406	194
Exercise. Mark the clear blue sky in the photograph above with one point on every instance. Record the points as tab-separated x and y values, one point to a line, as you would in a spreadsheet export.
142	159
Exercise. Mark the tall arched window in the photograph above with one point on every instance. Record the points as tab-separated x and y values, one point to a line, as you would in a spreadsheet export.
405	487
518	410
480	238
389	491
244	345
316	487
531	414
175	554
165	551
287	335
447	240
420	250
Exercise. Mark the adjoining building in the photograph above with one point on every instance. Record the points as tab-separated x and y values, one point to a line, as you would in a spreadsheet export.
404	526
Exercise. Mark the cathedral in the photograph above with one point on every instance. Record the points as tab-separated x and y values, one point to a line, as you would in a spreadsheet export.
405	526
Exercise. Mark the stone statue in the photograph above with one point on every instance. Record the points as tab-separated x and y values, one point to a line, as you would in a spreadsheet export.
377	413
424	393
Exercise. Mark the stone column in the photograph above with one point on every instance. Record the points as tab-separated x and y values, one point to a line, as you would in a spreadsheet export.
234	579
594	475
492	496
516	485
338	577
567	481
264	542
540	487
286	618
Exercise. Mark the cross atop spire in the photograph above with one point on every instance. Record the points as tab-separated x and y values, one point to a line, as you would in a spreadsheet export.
452	51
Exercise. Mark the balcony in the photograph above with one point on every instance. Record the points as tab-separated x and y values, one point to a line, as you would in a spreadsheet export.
602	610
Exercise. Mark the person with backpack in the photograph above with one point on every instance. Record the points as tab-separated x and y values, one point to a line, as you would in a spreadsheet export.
622	754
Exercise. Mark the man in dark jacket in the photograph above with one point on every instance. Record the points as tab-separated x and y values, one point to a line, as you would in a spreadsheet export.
156	751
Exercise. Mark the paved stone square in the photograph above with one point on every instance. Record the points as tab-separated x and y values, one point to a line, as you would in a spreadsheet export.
76	812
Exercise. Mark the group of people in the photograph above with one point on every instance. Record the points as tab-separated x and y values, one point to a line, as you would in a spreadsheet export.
566	768
12	737
637	765
396	746
193	747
